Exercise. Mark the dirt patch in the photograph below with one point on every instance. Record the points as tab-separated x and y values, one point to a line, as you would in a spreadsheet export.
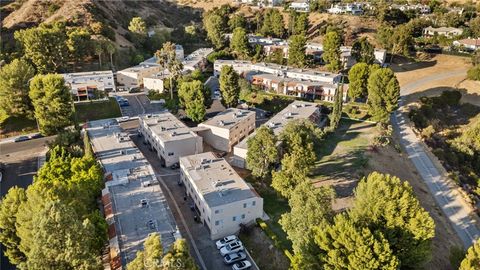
263	252
445	237
204	4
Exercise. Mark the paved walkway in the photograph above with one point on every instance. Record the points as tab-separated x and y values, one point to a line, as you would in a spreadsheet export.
443	190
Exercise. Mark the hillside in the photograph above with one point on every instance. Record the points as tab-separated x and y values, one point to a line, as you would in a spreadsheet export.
116	14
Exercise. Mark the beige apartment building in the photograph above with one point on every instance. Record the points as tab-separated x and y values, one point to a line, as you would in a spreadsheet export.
227	128
222	198
133	76
169	137
295	111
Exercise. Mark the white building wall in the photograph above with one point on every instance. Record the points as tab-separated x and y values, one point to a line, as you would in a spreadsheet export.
154	84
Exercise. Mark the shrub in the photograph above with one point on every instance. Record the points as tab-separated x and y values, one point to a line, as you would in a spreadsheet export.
474	73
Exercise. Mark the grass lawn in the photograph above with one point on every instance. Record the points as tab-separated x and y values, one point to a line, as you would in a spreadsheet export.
13	126
97	110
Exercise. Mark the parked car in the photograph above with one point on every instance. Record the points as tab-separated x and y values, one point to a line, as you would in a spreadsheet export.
242	265
226	240
123	103
234	257
123	119
175	166
134	90
21	139
232	248
36	136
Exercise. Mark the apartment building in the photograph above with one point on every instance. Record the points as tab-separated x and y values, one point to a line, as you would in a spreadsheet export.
83	84
169	137
351	8
133	203
133	76
296	110
449	32
300	5
243	67
227	128
222	198
196	60
155	81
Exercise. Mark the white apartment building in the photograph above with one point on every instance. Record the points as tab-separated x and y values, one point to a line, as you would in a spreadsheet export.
243	67
353	8
155	82
196	60
227	128
442	31
82	84
133	76
169	137
222	198
296	110
300	5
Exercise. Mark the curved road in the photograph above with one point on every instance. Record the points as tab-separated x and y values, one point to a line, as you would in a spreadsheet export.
446	195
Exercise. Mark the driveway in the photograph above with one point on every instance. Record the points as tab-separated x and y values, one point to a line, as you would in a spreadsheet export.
139	104
445	192
201	246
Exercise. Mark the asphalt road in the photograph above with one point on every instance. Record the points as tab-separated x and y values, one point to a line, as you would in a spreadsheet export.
445	193
21	161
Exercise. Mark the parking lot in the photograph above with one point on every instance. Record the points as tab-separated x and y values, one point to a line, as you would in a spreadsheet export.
206	247
138	104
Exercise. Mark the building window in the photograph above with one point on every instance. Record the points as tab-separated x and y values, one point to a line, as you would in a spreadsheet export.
253	203
244	205
217	222
170	154
243	216
217	211
234	219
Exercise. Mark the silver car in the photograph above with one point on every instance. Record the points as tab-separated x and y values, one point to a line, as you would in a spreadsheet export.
232	248
234	257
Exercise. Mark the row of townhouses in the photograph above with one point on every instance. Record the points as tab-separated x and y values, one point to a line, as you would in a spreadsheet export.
303	83
133	202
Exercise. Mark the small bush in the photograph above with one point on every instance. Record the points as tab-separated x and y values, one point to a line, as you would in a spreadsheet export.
474	73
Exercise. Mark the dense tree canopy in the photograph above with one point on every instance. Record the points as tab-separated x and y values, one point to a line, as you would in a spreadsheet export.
331	51
358	78
52	102
296	51
383	94
239	43
385	203
138	27
273	24
179	257
363	51
472	259
167	59
229	87
8	218
14	79
262	151
215	26
337	109
150	258
191	95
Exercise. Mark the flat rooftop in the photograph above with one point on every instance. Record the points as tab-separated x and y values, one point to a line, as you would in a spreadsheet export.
295	110
290	81
216	180
139	67
229	118
87	74
167	127
129	169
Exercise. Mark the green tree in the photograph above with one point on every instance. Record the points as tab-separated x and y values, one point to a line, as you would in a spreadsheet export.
472	74
262	151
111	49
472	259
301	24
385	203
336	114
9	207
402	39
273	24
52	101
178	258
191	95
331	51
229	87
310	207
79	43
384	36
346	246
215	26
363	51
14	97
237	20
239	43
150	258
383	94
45	46
358	78
300	133
138	27
296	51
167	59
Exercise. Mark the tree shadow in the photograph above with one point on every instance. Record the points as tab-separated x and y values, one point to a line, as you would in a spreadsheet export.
405	66
467	97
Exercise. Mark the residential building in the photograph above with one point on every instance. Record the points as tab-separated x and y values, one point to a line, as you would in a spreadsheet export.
449	32
242	67
423	9
261	3
133	76
468	44
84	84
196	60
227	128
169	137
133	203
222	198
350	8
300	5
155	82
296	110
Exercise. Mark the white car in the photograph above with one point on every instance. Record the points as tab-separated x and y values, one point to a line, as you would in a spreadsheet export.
242	265
232	248
234	257
224	241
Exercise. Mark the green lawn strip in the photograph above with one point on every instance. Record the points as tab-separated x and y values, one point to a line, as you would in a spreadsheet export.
96	110
13	126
